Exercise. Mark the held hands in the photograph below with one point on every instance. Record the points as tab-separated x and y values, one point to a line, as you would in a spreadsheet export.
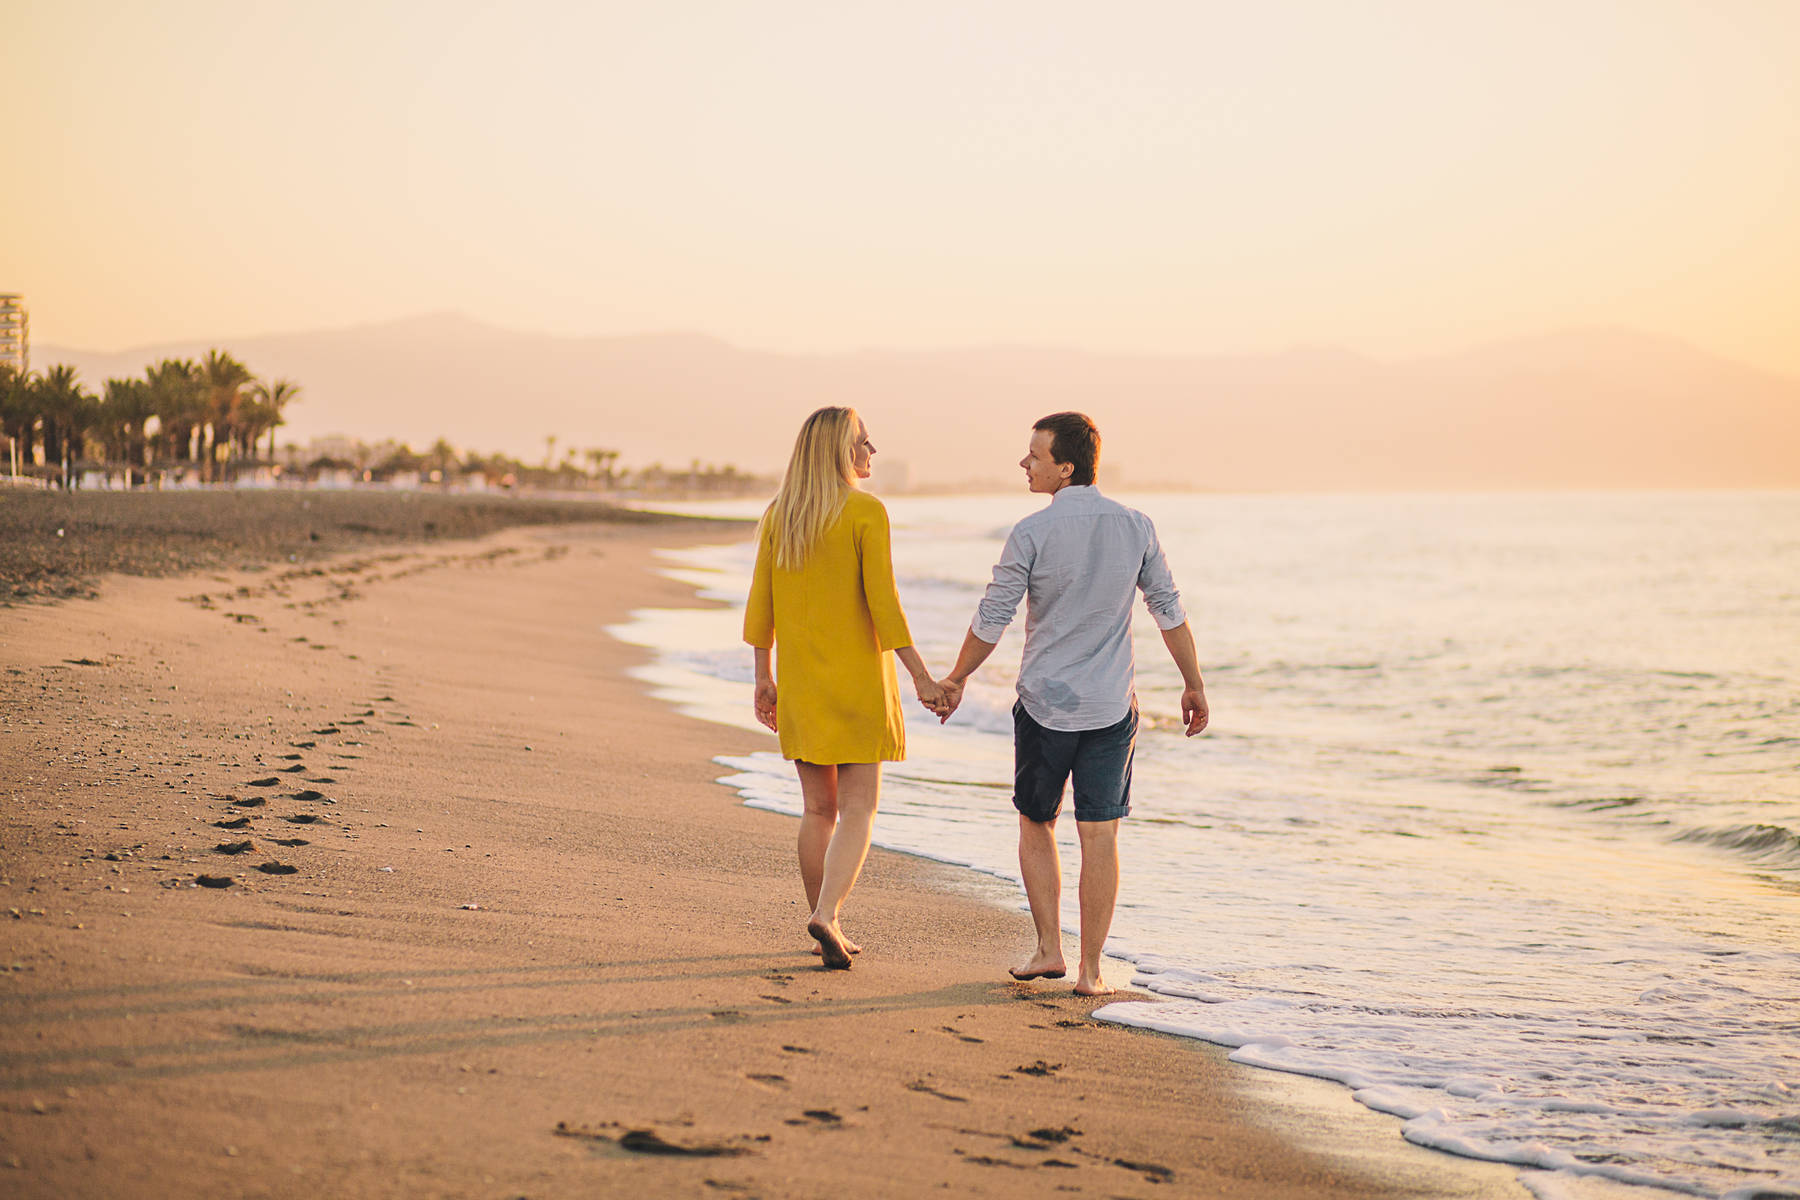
931	695
1194	712
953	694
765	702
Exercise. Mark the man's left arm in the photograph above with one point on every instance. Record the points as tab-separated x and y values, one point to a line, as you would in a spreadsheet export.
1180	641
1164	603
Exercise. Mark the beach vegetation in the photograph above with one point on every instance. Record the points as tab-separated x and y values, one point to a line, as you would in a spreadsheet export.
186	420
213	421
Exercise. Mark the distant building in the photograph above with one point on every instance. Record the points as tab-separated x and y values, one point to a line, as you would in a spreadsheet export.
15	333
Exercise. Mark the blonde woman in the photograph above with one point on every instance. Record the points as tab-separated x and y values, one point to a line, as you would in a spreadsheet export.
823	601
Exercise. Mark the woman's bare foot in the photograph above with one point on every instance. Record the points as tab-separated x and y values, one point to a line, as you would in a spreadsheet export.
849	945
831	944
1095	986
1041	966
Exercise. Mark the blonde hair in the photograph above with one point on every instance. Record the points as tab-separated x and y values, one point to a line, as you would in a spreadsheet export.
819	477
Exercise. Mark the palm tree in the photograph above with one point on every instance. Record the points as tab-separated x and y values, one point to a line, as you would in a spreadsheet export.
67	412
225	378
442	458
18	415
179	398
272	399
601	461
125	410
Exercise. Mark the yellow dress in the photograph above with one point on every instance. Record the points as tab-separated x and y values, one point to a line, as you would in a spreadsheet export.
834	624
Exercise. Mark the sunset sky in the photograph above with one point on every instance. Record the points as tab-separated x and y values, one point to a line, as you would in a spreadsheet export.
1391	176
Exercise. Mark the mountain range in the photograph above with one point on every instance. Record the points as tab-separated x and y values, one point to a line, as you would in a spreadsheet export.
1576	409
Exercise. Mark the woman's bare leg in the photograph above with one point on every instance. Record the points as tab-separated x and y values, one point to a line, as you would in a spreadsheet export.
819	792
858	792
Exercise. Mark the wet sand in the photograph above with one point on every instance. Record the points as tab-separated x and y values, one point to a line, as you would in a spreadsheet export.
527	946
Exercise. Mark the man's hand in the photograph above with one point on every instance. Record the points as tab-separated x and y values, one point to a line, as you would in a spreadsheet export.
1194	712
952	697
765	702
931	695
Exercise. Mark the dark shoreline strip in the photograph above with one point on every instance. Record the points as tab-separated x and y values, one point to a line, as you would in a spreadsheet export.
54	545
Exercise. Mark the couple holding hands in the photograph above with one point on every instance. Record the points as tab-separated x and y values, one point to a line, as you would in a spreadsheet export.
825	620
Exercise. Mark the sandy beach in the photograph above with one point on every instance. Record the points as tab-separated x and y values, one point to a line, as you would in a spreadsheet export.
490	929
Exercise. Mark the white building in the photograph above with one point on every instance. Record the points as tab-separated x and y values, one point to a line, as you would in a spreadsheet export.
15	333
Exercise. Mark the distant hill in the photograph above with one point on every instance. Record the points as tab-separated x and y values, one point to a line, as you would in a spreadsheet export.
1594	408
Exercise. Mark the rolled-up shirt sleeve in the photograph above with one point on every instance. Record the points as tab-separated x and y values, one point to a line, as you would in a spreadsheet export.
1012	574
1160	594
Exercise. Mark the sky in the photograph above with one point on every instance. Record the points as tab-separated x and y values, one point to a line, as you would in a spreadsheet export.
1396	177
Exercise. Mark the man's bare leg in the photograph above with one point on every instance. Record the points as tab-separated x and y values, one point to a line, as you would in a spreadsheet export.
1099	889
1041	869
859	791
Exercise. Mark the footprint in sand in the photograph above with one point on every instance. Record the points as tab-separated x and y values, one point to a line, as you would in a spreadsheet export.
817	1116
308	795
303	746
961	1036
796	1050
271	781
246	802
235	823
648	1141
776	1081
302	819
290	841
233	847
776	999
213	881
924	1087
290	757
293	770
325	731
1154	1172
277	868
1040	1068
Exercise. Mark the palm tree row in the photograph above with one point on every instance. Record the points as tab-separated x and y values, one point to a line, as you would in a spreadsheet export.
205	416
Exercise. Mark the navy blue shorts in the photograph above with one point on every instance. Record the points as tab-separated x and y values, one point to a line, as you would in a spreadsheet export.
1098	759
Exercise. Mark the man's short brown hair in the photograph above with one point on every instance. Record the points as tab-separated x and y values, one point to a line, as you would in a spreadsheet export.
1073	439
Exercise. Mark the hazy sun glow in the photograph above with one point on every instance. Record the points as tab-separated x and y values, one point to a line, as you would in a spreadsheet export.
1396	176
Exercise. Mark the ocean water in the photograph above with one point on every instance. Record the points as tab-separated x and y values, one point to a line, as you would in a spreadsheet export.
1497	823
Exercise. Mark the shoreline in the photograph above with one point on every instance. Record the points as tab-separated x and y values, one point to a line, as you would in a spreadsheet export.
347	1028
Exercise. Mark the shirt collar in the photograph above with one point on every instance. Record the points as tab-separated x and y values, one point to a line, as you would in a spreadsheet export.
1084	491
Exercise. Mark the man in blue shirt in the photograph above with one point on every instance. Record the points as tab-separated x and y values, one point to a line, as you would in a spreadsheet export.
1078	564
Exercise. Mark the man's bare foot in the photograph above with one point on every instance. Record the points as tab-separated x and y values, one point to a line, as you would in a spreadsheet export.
1041	966
831	944
1092	987
849	945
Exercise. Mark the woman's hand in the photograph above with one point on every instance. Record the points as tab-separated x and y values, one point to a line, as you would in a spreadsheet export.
765	702
931	695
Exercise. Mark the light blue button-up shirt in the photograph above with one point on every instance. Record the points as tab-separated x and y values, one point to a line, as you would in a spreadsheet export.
1078	563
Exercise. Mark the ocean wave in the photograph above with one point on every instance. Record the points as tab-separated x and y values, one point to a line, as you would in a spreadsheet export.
1769	845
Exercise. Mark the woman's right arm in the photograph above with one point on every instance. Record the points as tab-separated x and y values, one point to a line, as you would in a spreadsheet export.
759	629
765	688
